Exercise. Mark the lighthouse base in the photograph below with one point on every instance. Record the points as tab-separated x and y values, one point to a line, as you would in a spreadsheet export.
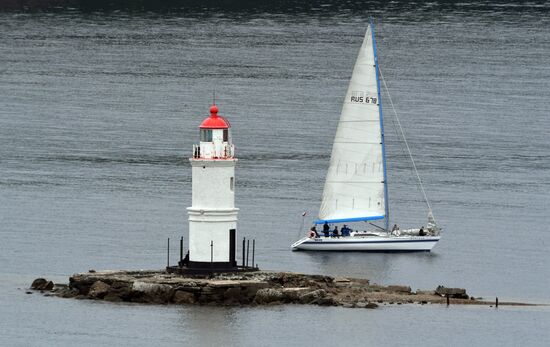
206	267
209	270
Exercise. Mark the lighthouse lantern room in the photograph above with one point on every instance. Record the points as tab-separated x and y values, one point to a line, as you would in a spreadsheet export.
213	216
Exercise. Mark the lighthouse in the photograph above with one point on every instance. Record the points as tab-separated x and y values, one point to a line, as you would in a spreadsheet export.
213	216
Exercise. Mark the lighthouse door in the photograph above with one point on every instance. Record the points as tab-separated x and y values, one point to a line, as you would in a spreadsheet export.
232	246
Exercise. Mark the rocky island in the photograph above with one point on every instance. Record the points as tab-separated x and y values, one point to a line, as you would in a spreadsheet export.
247	288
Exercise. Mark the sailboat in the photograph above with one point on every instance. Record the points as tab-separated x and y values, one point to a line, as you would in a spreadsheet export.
356	187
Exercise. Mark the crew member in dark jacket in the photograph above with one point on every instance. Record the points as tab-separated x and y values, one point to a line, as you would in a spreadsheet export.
421	232
326	229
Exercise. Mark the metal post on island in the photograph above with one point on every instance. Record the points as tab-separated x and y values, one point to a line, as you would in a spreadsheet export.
253	251
181	251
211	257
247	251
244	242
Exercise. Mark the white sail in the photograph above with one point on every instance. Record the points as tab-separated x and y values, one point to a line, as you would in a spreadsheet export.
354	186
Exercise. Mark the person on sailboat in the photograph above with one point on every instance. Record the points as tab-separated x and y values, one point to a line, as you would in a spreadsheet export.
421	232
326	229
335	231
395	230
345	230
313	232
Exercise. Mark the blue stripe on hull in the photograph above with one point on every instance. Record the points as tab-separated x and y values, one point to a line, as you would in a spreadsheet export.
368	250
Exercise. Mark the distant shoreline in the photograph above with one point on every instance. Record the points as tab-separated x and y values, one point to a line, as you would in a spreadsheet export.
313	7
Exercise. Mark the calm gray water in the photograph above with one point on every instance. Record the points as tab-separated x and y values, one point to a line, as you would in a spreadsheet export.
98	114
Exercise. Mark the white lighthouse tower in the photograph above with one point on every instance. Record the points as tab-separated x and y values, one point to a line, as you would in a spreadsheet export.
213	216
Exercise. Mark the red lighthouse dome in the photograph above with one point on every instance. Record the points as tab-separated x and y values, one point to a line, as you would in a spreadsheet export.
215	121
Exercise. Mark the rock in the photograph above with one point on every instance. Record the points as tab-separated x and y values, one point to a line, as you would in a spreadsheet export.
67	292
309	298
458	293
326	301
371	305
82	283
425	292
211	299
91	271
190	289
156	293
267	295
121	291
181	297
361	305
342	282
38	283
42	284
293	294
98	290
399	289
60	287
234	296
348	305
287	279
27	292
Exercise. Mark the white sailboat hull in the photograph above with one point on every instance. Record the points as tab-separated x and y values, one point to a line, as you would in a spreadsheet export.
368	243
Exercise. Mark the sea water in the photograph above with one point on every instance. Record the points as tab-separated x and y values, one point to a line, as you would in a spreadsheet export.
99	112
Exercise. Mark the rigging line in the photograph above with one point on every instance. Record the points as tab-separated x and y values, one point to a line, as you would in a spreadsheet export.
405	140
301	226
399	140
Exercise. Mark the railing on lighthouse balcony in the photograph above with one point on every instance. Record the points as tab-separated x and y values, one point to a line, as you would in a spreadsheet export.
211	150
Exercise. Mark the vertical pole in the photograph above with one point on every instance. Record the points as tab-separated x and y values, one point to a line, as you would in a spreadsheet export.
168	253
244	240
496	303
211	256
447	299
247	251
253	250
381	113
181	249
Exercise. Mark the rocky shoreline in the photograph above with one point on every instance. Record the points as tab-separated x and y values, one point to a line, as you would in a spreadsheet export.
247	288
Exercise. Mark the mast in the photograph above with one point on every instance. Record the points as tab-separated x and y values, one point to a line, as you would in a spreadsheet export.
386	195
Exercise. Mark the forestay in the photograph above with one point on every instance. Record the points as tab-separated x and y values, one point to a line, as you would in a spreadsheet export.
354	186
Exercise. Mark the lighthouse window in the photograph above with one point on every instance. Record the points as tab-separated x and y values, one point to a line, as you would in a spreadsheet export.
225	135
206	135
232	183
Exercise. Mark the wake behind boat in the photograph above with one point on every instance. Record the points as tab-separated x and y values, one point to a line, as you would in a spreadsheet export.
356	186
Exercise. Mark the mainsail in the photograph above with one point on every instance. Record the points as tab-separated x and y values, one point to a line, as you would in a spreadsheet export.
355	187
